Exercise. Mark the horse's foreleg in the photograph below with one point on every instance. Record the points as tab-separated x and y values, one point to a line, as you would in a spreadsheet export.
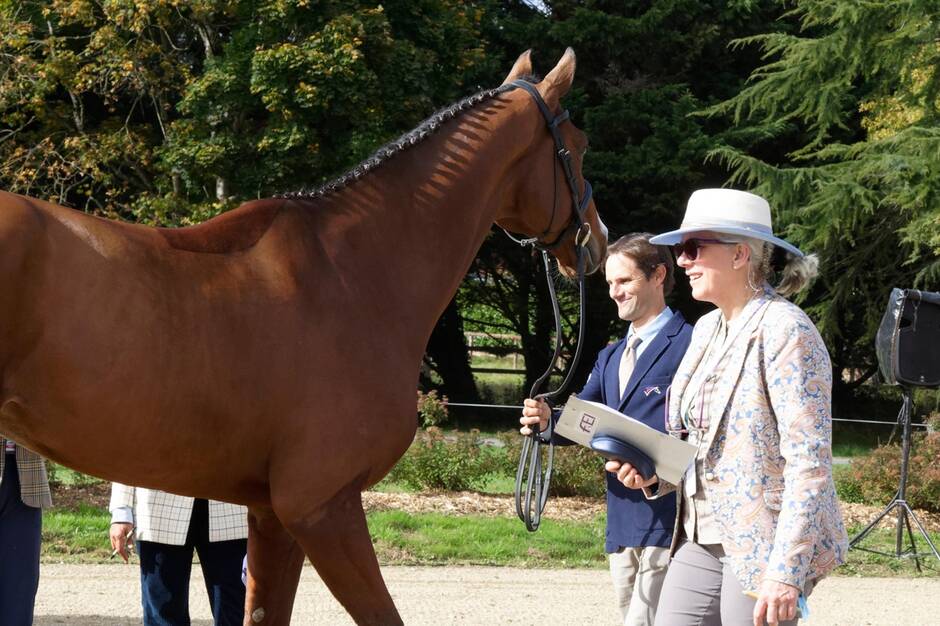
274	564
337	541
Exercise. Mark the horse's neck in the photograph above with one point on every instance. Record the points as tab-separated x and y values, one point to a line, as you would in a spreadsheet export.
427	211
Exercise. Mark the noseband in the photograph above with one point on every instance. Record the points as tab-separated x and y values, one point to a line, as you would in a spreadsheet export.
531	488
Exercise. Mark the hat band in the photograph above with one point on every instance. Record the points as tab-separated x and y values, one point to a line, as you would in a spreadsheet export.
761	229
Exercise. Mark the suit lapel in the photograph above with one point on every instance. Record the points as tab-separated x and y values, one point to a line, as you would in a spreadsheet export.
659	344
704	329
731	364
650	355
612	375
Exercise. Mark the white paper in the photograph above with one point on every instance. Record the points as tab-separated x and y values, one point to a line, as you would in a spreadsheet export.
582	420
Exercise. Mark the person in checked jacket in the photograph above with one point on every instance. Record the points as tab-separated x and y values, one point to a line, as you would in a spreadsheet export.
24	492
759	522
168	528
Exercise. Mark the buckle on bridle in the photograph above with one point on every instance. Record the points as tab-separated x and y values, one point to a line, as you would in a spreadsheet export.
584	235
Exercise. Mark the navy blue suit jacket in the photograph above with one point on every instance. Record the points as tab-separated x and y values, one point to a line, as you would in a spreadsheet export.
632	520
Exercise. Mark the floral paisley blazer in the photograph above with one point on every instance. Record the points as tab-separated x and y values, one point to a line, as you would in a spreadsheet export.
768	468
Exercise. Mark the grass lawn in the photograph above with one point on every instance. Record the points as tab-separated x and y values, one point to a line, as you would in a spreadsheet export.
434	539
849	448
400	538
79	536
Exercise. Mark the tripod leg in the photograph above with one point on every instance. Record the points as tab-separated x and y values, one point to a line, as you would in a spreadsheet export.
923	532
871	525
899	534
910	535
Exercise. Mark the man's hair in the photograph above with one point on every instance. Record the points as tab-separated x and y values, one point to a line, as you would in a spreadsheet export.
647	257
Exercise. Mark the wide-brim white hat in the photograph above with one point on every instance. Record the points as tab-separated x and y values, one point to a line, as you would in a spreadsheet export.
726	211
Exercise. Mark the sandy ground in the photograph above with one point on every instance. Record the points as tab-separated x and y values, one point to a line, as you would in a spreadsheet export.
108	595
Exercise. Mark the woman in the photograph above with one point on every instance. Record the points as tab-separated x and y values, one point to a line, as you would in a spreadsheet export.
759	522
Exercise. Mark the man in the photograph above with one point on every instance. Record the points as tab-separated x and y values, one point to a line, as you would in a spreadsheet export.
168	529
24	492
633	376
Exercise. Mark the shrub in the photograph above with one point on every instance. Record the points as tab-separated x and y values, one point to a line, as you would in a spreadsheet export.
52	472
432	411
452	463
847	488
933	423
577	471
874	478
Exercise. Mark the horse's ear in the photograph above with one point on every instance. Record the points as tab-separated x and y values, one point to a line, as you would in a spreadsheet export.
522	67
559	80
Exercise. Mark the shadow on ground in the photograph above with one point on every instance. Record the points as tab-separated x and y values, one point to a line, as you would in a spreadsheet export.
97	620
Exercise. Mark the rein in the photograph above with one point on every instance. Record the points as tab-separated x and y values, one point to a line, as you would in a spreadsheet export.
532	483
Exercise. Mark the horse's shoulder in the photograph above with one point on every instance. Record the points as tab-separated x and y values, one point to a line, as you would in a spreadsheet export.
232	231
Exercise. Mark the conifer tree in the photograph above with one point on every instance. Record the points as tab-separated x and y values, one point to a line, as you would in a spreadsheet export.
855	91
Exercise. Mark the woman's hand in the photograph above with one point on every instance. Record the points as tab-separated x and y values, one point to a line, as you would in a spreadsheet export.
629	476
776	602
534	412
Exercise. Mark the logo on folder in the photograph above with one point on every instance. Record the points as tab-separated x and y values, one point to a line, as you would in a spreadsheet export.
587	422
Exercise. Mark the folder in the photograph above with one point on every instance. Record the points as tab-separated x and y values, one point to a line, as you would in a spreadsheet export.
583	420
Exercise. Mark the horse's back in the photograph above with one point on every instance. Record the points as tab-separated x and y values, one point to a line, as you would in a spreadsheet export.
232	231
18	216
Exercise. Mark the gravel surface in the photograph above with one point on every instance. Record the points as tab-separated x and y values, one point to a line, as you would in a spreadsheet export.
109	595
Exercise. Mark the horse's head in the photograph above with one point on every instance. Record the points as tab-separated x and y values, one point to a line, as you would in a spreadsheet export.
552	201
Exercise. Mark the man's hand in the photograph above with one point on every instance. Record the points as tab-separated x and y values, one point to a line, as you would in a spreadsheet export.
121	538
534	412
628	475
776	602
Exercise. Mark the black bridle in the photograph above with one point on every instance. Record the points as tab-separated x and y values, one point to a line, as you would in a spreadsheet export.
531	489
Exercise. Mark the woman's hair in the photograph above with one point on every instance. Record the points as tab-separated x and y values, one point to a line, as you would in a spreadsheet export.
768	261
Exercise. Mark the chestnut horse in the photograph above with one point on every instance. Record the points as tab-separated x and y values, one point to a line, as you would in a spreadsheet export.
269	356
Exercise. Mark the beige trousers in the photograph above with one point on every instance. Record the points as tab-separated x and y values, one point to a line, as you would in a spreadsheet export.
701	590
638	575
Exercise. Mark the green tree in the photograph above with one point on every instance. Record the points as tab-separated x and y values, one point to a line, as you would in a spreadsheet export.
855	92
643	68
168	112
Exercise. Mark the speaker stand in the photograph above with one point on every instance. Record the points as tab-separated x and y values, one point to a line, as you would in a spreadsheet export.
904	511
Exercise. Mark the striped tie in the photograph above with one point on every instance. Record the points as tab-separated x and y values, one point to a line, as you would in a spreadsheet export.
628	361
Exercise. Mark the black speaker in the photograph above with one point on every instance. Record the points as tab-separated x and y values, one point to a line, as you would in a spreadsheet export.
908	340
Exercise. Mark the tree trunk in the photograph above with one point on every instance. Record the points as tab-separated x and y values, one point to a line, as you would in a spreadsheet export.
449	357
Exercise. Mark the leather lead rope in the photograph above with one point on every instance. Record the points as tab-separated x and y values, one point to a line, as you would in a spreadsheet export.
532	482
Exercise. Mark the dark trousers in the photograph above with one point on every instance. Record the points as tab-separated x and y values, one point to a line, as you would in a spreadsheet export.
165	571
20	532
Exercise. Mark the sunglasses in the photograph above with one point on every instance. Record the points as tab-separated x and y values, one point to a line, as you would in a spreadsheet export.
690	247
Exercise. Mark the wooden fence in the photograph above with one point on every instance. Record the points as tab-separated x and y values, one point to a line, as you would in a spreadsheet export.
476	347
